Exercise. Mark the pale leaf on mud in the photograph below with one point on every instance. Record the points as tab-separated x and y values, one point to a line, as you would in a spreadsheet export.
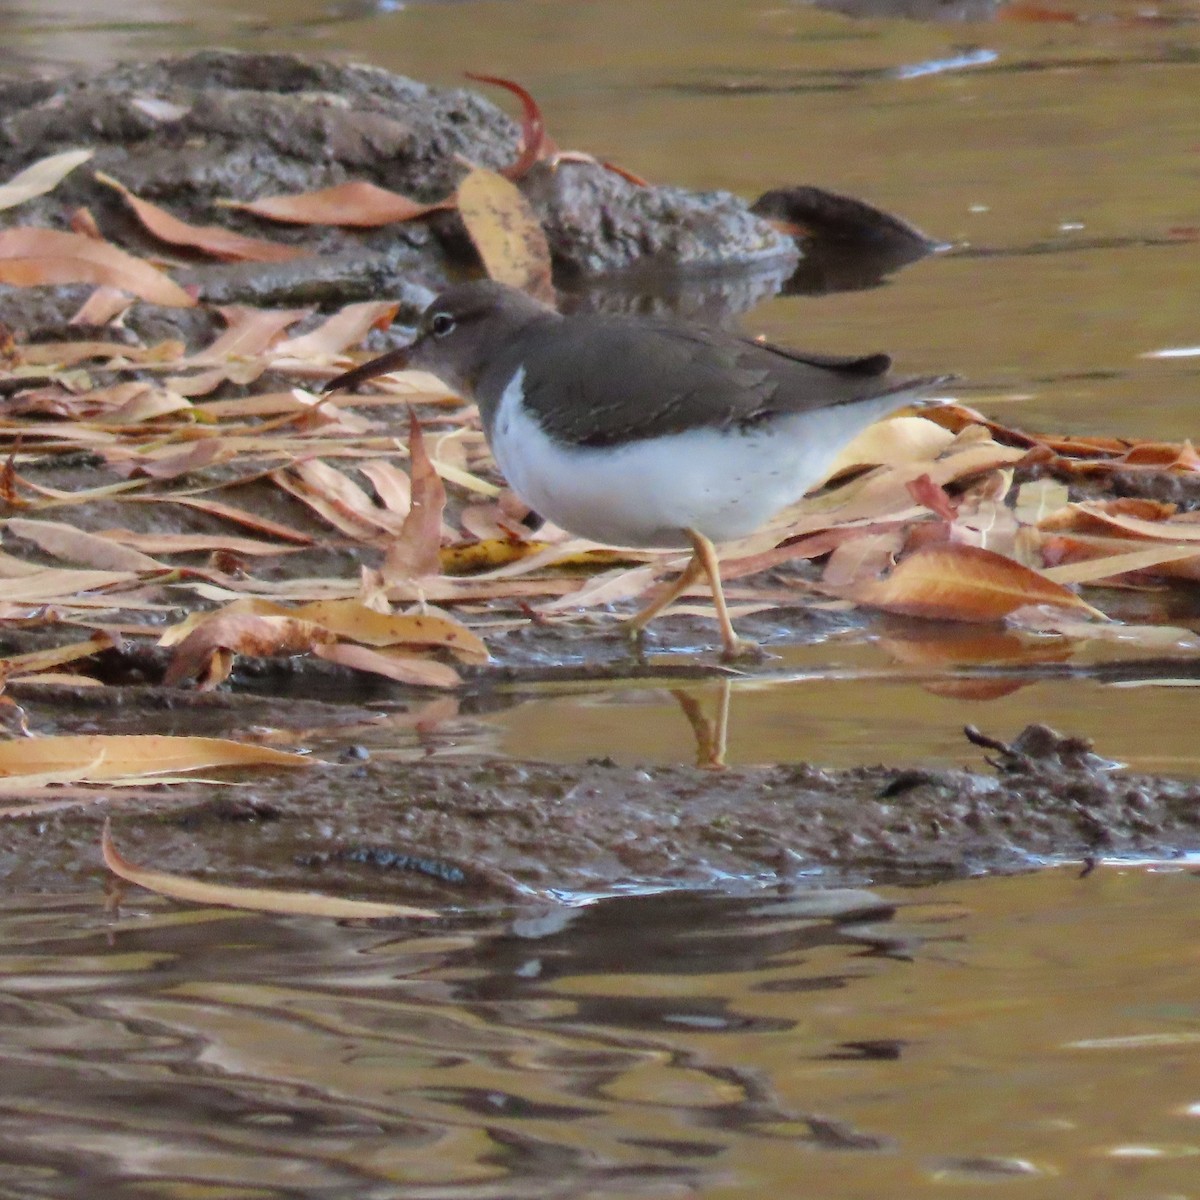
506	232
30	257
41	177
267	900
103	758
228	512
961	583
347	327
1139	521
66	542
214	240
404	668
1110	566
47	584
415	553
863	557
37	661
249	331
1158	638
894	443
391	485
194	543
358	204
105	304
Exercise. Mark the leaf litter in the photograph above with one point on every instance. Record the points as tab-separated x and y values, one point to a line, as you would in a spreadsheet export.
920	518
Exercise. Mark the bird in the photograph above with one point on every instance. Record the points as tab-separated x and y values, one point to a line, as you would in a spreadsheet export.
646	432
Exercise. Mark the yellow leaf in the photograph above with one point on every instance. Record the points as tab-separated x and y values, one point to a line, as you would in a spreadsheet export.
195	891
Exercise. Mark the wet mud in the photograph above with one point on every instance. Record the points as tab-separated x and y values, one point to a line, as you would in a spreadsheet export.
403	815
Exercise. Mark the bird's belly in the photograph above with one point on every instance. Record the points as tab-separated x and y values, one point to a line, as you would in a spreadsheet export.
721	483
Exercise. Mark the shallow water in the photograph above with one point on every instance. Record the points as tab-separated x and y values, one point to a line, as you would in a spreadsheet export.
1037	1035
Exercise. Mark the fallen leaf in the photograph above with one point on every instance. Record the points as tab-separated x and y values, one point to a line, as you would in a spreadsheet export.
347	327
962	583
268	900
215	240
506	232
41	177
65	541
102	758
415	553
404	668
358	203
105	304
44	660
534	145
31	257
199	655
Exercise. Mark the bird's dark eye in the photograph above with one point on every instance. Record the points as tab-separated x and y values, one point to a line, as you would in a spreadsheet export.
441	324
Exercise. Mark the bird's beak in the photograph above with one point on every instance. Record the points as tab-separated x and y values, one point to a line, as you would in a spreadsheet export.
393	360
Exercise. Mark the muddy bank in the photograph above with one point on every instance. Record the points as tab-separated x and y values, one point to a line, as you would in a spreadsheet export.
192	132
486	831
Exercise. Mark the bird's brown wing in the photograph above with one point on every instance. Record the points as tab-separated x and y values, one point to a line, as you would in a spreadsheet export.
605	380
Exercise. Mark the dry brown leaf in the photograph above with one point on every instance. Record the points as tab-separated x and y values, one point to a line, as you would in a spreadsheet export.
961	583
41	177
268	900
1121	520
48	584
506	232
354	621
215	240
204	652
30	257
415	553
358	204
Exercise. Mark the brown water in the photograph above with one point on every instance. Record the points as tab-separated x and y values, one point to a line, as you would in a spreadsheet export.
975	1037
1036	1036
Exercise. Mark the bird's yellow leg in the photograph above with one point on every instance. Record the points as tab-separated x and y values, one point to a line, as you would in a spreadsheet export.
706	555
688	576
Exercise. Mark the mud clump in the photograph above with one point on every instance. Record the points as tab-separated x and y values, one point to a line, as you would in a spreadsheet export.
187	133
502	831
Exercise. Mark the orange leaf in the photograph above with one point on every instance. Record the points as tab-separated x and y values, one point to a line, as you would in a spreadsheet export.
29	257
535	145
954	582
216	240
415	553
358	203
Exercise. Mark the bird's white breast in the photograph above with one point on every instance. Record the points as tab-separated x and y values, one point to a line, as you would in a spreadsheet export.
722	483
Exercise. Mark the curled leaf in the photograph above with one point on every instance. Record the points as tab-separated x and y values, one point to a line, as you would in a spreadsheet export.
196	891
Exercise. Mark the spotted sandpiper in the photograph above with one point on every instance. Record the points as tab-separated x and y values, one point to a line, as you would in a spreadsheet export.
646	432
